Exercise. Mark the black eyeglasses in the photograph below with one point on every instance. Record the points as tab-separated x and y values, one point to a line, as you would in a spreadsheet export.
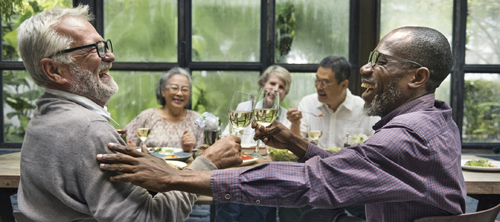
100	46
375	54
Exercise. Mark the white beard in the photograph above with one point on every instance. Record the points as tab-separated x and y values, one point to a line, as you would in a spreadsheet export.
88	85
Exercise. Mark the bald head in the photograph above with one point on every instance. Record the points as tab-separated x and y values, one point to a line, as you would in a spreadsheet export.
426	46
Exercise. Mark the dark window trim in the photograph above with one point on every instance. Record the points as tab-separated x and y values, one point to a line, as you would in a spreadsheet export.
363	34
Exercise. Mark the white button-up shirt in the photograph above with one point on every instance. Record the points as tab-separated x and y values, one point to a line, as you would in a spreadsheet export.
349	118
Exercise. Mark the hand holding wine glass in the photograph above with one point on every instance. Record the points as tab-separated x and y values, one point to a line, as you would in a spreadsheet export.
265	111
240	113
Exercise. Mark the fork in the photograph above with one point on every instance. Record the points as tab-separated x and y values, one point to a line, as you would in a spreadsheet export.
319	115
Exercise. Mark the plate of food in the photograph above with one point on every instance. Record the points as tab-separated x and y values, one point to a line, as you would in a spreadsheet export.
480	165
247	160
177	164
180	156
168	150
282	155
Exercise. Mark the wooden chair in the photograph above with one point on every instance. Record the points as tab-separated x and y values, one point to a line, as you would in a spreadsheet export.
488	215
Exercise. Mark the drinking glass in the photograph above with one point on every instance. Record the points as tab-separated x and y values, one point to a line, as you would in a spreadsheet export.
265	111
314	132
240	112
143	134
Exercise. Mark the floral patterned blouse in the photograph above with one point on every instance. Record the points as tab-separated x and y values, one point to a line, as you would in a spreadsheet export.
164	134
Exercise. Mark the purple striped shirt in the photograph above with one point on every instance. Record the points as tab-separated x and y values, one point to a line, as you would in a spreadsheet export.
410	168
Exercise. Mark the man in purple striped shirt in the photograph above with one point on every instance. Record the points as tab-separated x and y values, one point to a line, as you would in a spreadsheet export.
410	167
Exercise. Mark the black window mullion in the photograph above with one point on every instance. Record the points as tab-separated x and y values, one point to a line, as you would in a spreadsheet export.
354	80
268	25
188	51
458	49
184	32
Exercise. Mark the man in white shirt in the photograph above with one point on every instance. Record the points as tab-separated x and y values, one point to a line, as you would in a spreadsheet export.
342	111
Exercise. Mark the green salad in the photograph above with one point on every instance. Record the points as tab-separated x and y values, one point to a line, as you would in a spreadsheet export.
479	163
333	149
282	155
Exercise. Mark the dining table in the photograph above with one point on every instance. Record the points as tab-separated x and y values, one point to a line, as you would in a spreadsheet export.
481	185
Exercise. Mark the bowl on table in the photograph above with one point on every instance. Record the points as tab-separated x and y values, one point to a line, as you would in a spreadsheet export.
282	155
179	156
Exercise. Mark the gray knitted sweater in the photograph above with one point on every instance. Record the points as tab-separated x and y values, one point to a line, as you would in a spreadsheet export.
61	179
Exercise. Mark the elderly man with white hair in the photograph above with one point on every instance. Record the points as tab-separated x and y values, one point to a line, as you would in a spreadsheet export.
60	176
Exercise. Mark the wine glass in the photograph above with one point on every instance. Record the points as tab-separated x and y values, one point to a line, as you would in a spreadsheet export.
240	112
314	133
143	134
265	111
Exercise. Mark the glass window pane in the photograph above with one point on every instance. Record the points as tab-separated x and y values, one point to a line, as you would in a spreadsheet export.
302	85
481	120
19	96
483	23
307	33
9	28
142	31
226	30
213	90
137	92
436	14
443	91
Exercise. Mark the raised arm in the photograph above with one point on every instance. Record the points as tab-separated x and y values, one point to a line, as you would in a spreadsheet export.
145	170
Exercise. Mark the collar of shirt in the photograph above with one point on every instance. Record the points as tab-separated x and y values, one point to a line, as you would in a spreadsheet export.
348	103
85	102
416	104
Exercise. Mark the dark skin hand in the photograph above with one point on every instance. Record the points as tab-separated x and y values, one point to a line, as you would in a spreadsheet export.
278	136
153	173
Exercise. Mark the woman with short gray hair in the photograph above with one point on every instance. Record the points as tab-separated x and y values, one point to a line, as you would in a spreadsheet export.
173	124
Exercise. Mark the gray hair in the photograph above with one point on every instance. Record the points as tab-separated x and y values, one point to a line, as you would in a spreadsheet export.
164	79
37	39
278	71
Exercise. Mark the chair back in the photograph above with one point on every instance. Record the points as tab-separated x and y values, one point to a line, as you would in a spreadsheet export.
488	215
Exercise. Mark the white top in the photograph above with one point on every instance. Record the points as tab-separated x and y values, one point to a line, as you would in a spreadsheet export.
349	118
248	132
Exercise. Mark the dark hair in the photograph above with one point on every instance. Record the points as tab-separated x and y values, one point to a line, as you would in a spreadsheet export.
431	49
339	65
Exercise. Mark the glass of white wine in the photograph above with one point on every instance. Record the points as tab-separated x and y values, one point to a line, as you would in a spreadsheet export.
265	111
314	131
240	113
143	134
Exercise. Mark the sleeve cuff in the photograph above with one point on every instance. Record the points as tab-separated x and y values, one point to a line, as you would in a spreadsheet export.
201	163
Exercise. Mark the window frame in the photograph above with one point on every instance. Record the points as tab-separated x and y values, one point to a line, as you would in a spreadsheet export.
364	29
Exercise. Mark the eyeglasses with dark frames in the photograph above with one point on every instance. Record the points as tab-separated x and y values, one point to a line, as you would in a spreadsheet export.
322	83
374	55
100	46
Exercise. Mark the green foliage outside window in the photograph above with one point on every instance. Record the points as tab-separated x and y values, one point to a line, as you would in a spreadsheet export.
481	122
19	91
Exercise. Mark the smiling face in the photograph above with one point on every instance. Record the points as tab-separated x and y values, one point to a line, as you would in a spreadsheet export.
275	83
334	93
387	81
176	99
89	75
